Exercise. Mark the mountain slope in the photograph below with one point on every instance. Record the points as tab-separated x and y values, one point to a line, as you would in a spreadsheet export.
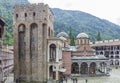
79	21
6	11
84	22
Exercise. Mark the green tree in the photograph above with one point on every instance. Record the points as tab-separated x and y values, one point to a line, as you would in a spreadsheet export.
99	37
71	36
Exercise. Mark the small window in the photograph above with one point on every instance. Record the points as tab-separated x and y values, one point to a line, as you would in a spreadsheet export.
16	15
0	62
25	14
49	32
43	10
34	14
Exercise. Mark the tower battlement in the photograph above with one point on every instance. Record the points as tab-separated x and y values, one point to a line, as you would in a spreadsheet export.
30	5
32	12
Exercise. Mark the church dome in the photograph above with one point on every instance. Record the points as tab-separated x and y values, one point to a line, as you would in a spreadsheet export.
82	35
62	34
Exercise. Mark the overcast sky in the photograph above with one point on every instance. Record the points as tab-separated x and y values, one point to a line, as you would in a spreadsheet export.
105	9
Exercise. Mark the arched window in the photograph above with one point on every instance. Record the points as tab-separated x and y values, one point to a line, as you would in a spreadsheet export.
52	52
111	47
25	14
101	53
84	68
92	68
106	54
118	47
112	56
116	62
52	74
0	62
111	62
75	68
34	13
16	16
49	34
112	52
117	52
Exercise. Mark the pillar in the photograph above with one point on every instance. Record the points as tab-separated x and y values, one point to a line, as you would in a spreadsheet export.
79	68
28	53
57	75
88	69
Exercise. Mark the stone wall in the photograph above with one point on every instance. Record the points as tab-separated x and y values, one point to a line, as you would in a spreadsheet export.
38	22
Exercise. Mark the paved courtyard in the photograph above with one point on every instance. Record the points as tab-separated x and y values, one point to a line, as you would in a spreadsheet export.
113	78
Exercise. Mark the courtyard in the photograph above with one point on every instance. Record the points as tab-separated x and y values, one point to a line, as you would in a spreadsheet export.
113	78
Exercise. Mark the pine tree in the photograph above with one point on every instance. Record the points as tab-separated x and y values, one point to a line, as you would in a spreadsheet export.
71	36
99	37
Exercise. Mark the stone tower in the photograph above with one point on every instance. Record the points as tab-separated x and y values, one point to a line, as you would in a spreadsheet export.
33	25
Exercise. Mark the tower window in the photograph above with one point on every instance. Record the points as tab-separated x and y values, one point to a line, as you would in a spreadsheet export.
49	32
34	13
43	10
25	14
16	15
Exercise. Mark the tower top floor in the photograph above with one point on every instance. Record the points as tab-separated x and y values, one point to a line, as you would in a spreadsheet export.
31	7
32	12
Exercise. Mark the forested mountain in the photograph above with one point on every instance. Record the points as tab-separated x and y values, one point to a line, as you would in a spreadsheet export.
6	11
84	22
63	19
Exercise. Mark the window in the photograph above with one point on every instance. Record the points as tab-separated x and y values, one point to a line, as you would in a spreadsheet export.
0	62
117	52
16	16
25	14
52	52
34	13
111	57
43	10
112	53
49	32
101	53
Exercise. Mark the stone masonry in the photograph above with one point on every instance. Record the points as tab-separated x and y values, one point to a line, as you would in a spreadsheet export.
33	25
